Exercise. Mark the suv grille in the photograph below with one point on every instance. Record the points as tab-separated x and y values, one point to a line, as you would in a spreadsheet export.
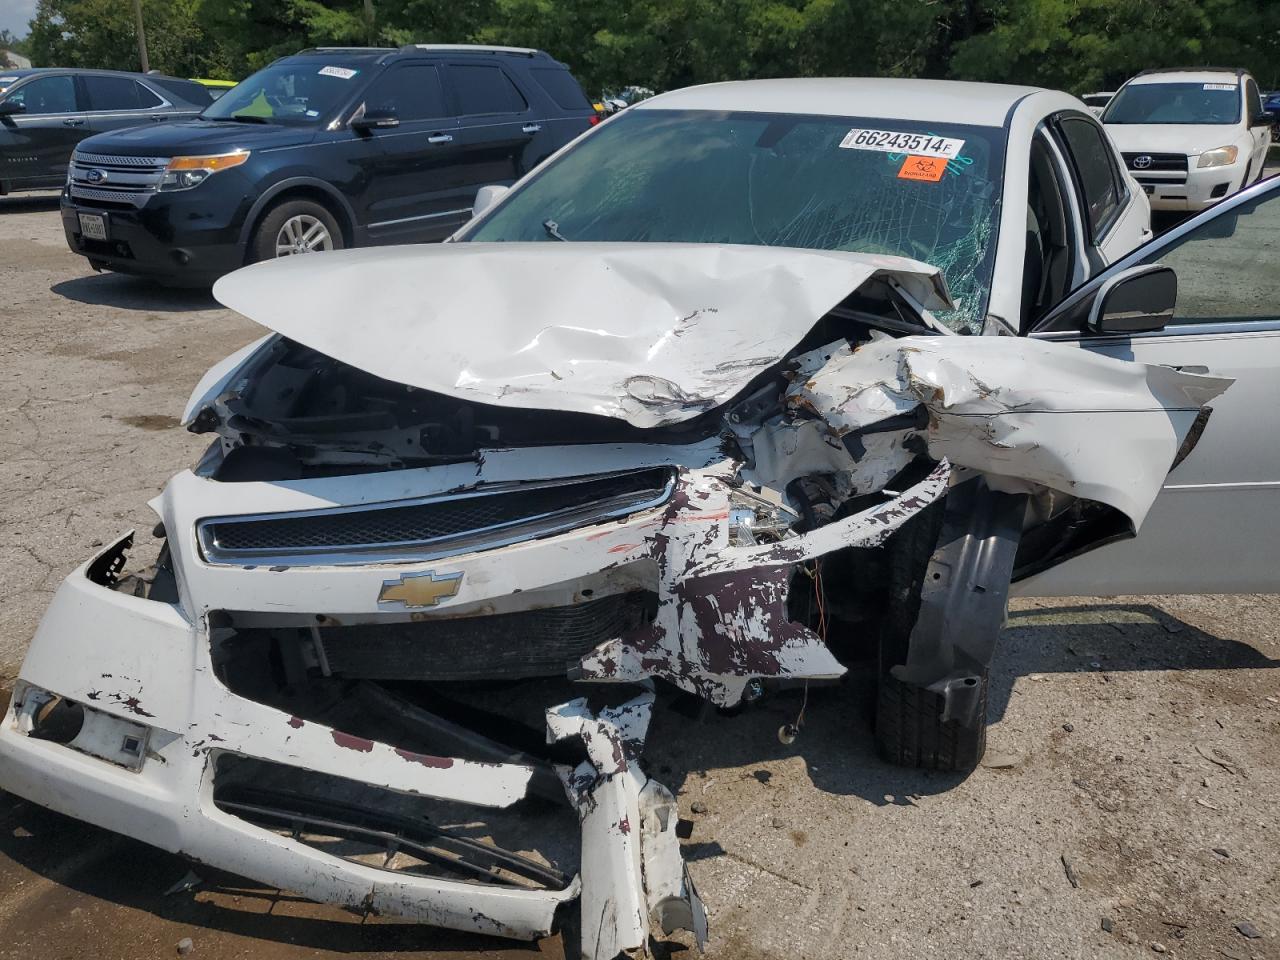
431	528
107	179
1167	167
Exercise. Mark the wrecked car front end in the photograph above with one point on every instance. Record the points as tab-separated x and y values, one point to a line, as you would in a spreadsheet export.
432	531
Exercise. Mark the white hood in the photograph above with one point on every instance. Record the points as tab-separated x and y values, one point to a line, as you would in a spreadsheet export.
1191	139
649	333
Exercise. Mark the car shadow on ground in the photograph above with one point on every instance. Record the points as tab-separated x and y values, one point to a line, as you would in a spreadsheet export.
134	293
29	203
837	743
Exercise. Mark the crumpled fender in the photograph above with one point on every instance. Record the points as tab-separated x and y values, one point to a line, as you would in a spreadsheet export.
1025	413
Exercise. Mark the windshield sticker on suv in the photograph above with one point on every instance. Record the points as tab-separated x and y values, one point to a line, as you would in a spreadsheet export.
889	141
1219	86
917	167
344	73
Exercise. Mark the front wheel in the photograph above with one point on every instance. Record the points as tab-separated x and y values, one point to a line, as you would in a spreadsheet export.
295	227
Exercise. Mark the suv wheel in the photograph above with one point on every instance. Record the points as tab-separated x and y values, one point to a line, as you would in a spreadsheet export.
294	227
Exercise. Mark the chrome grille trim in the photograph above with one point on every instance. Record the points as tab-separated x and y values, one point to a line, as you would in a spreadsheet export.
278	539
131	180
110	196
105	160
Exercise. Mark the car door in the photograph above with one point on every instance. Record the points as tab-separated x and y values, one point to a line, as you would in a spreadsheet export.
36	143
1117	215
496	124
116	102
1215	526
414	169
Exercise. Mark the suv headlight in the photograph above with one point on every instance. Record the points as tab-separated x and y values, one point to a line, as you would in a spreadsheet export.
1218	157
183	173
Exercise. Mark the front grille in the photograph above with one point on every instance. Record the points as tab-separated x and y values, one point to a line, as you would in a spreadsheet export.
509	646
101	178
1158	161
433	527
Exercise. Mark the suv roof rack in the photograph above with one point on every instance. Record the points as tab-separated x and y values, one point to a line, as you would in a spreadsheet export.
344	50
469	48
1238	71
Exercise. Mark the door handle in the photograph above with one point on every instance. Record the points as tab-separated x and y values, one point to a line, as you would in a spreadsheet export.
440	138
531	127
73	122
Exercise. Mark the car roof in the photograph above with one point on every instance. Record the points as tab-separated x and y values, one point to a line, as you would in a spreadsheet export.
1190	75
979	104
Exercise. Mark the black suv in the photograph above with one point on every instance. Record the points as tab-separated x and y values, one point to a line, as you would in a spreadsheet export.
44	113
329	148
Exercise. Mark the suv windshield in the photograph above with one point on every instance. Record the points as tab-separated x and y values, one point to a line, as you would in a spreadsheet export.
776	180
292	93
1176	103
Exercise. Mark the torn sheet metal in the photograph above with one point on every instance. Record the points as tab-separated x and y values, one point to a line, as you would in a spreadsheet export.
1025	412
722	611
632	872
649	333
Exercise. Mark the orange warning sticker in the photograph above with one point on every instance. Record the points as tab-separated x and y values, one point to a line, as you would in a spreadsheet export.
923	168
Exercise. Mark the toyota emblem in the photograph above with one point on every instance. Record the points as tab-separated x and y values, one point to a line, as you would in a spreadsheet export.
96	176
1142	162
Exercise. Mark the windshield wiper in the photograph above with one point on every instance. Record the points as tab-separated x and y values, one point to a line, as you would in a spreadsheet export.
553	230
245	118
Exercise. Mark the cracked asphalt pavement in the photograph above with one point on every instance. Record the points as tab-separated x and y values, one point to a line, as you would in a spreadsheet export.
1134	744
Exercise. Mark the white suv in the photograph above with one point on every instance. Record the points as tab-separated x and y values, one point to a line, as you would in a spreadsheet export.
1190	137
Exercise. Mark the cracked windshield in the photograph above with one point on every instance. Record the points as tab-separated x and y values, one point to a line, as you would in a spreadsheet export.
926	191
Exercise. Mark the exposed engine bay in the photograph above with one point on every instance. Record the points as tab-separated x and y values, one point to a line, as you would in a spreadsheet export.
421	597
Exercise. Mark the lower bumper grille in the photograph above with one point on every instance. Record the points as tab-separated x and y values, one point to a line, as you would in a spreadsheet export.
433	527
531	643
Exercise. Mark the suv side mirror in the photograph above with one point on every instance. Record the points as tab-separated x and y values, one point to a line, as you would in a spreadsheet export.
9	107
486	197
1136	300
1264	119
375	120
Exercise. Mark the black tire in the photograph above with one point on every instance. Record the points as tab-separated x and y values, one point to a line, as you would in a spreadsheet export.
263	245
908	723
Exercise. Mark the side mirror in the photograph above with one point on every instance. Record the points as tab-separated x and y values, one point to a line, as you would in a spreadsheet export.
375	120
1136	300
486	197
10	107
1265	119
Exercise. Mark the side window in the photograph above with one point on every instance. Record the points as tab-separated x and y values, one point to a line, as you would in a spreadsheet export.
484	89
118	93
1096	171
413	91
1227	267
1252	100
562	87
147	98
46	95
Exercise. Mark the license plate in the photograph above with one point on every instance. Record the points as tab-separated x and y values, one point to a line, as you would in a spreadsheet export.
93	226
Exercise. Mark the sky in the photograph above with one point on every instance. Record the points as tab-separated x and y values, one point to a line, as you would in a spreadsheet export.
15	14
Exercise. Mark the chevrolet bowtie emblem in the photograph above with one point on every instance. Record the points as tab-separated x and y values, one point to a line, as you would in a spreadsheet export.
420	589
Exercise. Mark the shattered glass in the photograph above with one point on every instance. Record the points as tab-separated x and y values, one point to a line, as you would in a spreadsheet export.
772	180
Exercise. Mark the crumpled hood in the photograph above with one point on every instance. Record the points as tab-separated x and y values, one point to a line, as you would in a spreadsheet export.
649	333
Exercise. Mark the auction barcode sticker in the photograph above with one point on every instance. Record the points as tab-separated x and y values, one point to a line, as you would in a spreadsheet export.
343	73
1219	86
889	141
